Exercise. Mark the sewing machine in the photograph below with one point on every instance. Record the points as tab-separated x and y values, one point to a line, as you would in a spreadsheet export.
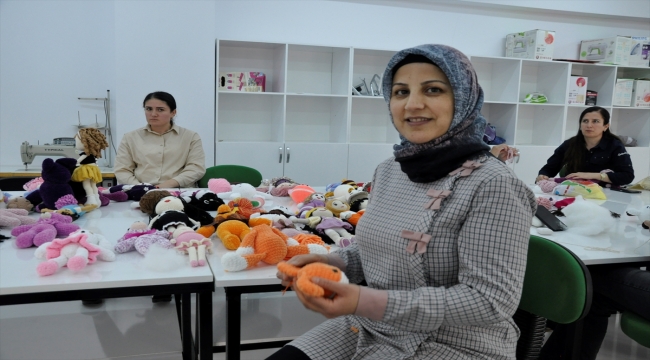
520	46
596	52
29	152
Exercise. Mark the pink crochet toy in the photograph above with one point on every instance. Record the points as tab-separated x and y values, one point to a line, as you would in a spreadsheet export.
48	227
547	186
76	251
219	185
140	238
14	217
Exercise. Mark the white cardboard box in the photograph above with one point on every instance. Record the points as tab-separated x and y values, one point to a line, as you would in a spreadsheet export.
639	53
641	93
614	50
577	90
623	92
534	44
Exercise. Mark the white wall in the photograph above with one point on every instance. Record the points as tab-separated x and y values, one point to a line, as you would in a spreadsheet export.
55	51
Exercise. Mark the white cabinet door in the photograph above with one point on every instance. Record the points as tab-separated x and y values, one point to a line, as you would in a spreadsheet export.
364	158
316	164
263	156
640	162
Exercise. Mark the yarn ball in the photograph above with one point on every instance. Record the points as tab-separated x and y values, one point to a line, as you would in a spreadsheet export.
547	186
219	186
545	202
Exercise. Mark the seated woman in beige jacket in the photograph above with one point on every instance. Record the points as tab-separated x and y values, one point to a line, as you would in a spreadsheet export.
161	153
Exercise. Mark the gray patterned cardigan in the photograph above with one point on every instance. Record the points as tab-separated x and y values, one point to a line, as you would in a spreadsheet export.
449	298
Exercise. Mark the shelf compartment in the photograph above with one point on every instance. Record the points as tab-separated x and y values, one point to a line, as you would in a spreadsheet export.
600	78
503	117
250	117
367	63
268	58
539	125
318	70
498	77
548	78
370	122
632	122
316	119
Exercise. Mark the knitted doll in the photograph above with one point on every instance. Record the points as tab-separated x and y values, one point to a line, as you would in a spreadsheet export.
48	227
75	251
140	238
91	142
55	185
303	277
323	222
202	199
121	193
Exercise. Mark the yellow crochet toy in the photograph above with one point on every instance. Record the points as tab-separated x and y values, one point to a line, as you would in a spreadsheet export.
305	274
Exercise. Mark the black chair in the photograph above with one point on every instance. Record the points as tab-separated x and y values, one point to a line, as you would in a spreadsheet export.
13	183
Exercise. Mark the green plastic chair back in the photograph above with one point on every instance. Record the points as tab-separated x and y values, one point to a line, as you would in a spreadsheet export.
557	284
235	174
636	327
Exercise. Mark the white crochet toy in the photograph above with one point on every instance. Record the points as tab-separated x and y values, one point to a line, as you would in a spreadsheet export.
246	191
76	251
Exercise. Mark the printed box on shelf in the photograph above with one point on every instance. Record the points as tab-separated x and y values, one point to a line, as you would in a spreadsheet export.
592	98
641	93
640	51
614	50
623	92
577	90
248	81
534	44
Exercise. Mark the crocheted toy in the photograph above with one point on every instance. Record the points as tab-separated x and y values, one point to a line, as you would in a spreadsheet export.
219	186
90	142
55	185
15	217
19	202
336	206
547	186
73	211
203	199
266	244
231	232
150	199
75	251
140	238
33	184
545	202
246	191
280	186
173	219
120	193
321	221
642	214
300	192
358	199
224	213
48	227
303	277
312	201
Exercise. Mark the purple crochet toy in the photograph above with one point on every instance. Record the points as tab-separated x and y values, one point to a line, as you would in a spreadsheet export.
140	238
55	184
120	193
48	227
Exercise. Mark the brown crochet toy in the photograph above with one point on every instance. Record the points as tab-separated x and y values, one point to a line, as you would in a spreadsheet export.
303	277
150	199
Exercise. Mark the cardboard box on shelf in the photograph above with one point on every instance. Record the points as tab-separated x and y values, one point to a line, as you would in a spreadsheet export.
614	50
623	92
534	44
577	90
248	81
640	51
592	98
641	93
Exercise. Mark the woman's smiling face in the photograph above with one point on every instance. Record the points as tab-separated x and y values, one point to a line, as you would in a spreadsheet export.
422	102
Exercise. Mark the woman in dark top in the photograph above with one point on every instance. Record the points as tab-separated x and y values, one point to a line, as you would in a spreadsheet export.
593	154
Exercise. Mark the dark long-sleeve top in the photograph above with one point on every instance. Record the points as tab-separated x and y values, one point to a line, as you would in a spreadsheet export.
609	154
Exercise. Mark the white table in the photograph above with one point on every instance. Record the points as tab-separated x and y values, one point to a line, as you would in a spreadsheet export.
627	242
125	277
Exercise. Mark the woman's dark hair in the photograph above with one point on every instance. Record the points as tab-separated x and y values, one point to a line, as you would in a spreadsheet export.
162	96
577	150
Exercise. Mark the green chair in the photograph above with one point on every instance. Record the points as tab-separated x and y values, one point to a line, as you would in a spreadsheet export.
235	174
557	287
636	327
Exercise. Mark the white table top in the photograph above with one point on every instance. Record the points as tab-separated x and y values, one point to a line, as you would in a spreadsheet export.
626	242
18	266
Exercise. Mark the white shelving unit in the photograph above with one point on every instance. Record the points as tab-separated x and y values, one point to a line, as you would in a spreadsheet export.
309	126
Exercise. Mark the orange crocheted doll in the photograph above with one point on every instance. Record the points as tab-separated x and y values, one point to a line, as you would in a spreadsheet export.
305	274
269	245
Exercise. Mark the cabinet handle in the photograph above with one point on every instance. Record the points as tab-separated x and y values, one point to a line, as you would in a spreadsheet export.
288	155
280	150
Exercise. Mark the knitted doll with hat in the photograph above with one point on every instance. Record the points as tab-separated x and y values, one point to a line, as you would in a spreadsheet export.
90	142
76	251
266	244
303	277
